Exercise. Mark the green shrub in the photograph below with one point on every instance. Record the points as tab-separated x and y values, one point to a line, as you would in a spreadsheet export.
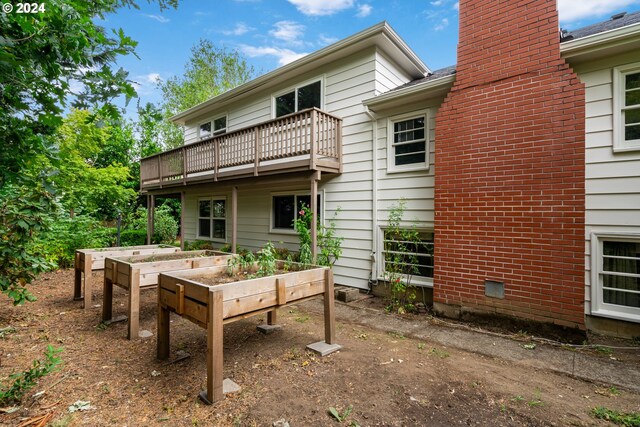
165	226
198	245
58	245
133	237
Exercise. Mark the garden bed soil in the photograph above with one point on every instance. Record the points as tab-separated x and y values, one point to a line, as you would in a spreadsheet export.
137	259
388	379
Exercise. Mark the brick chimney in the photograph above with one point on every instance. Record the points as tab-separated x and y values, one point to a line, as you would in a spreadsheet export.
510	170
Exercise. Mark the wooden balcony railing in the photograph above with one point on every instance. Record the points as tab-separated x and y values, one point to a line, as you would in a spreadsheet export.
312	135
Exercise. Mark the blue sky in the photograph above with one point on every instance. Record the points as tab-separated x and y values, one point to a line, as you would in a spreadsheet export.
271	33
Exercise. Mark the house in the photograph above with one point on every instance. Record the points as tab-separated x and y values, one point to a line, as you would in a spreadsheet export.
520	166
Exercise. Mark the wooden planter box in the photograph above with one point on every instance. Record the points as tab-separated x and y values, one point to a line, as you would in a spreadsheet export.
141	272
88	260
211	306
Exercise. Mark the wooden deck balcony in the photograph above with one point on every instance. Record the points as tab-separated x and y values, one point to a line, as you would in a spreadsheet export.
307	140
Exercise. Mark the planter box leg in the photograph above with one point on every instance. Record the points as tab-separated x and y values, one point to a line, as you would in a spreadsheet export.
134	304
163	330
271	326
107	300
87	281
77	280
327	346
215	391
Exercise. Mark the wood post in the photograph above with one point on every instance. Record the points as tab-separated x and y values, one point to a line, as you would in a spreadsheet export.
88	261
314	215
151	202
256	151
77	280
134	303
329	319
215	392
107	297
183	207
234	219
163	328
313	142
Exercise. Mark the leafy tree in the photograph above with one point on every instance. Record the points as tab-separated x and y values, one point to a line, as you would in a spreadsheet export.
42	56
94	166
210	71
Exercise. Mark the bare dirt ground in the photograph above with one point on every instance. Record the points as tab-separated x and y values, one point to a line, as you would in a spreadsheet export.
387	379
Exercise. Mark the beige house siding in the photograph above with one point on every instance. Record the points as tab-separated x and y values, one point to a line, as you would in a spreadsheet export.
612	178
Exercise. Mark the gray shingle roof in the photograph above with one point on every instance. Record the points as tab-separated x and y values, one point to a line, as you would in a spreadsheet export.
616	21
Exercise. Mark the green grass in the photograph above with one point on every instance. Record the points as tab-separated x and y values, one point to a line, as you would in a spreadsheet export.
626	419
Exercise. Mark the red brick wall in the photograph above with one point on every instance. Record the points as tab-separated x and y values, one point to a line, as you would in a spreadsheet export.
510	168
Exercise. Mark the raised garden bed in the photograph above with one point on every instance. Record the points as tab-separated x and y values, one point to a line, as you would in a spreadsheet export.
88	260
137	272
214	303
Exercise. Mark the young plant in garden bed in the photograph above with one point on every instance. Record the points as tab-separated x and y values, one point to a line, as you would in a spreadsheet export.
329	245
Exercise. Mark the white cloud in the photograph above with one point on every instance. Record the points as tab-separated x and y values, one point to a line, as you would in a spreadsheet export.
240	29
437	3
288	31
456	6
364	10
284	56
161	19
444	22
572	10
321	7
152	77
325	40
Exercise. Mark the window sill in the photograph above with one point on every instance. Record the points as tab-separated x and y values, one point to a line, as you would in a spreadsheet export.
625	149
616	315
411	169
282	231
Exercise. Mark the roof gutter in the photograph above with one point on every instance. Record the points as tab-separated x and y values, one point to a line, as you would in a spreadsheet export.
428	85
603	40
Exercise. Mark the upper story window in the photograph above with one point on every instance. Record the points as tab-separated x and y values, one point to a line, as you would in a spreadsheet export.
214	127
626	98
408	148
299	98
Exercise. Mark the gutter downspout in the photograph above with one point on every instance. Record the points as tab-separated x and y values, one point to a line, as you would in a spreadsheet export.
373	278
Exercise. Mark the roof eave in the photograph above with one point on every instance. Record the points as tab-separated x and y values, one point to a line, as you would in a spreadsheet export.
418	68
601	44
435	85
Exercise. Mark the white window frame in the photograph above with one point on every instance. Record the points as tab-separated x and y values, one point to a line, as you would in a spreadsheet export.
275	230
212	199
619	86
391	164
421	281
294	89
598	306
214	132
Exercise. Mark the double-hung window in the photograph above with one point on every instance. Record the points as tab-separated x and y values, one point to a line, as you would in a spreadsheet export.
212	219
408	146
299	98
626	113
214	127
616	276
286	209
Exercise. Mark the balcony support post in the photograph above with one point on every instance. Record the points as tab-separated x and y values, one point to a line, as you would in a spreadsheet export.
184	166
234	219
183	208
315	177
